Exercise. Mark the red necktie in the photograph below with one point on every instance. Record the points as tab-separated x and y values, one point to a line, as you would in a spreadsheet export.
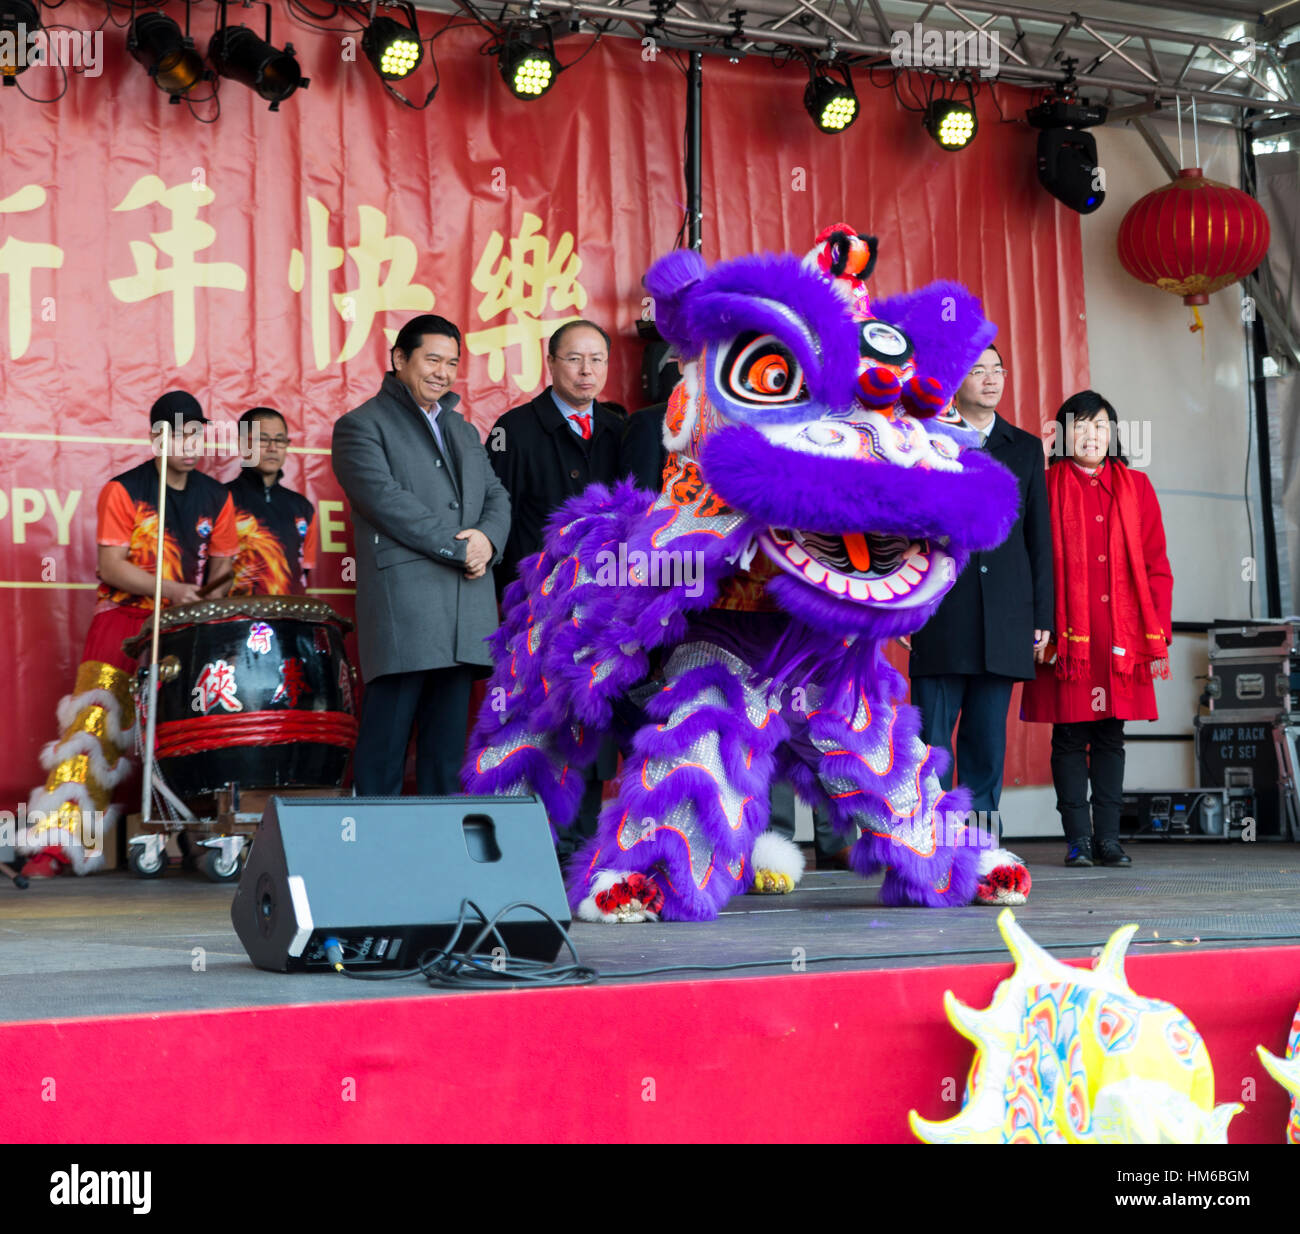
584	425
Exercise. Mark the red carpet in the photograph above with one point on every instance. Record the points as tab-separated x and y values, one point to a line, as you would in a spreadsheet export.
799	1057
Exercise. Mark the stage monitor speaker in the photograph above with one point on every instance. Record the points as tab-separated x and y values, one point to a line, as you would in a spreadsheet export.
385	876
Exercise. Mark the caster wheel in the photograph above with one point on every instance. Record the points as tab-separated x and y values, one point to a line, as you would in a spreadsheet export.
216	869
140	864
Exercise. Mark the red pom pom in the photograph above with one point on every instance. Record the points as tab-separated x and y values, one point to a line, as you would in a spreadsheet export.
634	887
923	397
879	386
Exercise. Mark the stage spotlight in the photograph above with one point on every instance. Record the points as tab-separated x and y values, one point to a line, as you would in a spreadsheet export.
953	125
1067	152
169	57
236	52
530	71
18	19
832	104
394	49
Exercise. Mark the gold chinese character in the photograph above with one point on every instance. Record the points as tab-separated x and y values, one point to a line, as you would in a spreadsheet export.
186	236
359	305
519	284
18	258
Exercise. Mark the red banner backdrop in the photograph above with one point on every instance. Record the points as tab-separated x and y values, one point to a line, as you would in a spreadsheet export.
268	258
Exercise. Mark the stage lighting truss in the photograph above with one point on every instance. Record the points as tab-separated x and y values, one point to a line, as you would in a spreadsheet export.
393	49
238	53
526	56
833	105
168	56
953	125
18	19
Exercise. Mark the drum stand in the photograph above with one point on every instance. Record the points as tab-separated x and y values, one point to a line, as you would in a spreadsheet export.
147	852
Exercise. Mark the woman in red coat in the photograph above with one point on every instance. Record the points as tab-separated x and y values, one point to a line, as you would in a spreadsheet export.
1114	595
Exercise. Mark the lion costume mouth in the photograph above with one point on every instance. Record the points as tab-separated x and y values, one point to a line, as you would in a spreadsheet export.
873	568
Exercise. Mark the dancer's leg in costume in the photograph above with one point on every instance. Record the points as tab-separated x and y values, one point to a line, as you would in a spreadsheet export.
90	758
879	774
692	798
513	749
522	757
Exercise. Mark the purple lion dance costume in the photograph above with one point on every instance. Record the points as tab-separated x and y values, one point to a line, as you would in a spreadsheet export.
817	502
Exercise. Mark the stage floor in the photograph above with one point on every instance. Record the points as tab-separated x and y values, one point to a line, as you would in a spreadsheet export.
115	944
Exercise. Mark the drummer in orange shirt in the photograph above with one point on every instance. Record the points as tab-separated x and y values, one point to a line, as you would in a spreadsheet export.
97	720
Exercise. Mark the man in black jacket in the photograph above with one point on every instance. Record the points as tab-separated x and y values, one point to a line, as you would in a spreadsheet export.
549	450
995	622
545	452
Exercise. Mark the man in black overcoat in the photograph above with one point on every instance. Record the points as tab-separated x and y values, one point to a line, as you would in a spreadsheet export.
544	452
996	621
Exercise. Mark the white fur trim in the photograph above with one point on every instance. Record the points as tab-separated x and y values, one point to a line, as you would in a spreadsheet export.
991	858
691	376
772	851
48	803
71	840
840	286
83	862
71	705
88	744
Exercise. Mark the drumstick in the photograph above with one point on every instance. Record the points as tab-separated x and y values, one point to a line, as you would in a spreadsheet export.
146	791
208	588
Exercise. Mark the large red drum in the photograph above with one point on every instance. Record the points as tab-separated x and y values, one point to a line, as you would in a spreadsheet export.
254	690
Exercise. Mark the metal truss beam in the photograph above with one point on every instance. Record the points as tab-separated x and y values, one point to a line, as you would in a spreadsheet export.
841	28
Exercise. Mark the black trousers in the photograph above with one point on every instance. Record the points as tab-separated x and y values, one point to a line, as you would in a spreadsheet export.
436	704
981	700
594	776
1092	750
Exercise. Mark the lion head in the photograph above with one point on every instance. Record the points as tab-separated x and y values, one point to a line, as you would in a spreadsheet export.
826	422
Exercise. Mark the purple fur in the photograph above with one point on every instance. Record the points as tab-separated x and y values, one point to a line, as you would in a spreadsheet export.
975	507
947	329
667	281
747	755
558	627
823	612
741	295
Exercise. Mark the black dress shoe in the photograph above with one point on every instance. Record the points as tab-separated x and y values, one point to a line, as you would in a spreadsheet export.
1109	853
1080	853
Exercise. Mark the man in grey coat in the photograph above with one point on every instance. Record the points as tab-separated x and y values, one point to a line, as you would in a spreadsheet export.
431	519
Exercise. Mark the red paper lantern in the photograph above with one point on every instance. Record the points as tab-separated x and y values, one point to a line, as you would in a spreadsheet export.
1193	237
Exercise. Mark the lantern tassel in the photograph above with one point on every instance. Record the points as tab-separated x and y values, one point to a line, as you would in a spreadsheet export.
1198	327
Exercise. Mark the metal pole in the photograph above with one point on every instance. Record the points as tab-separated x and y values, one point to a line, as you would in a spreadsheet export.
694	138
151	691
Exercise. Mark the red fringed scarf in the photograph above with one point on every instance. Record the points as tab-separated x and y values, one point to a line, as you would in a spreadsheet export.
1139	651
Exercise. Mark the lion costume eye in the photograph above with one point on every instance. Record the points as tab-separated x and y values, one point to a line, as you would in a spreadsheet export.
762	369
